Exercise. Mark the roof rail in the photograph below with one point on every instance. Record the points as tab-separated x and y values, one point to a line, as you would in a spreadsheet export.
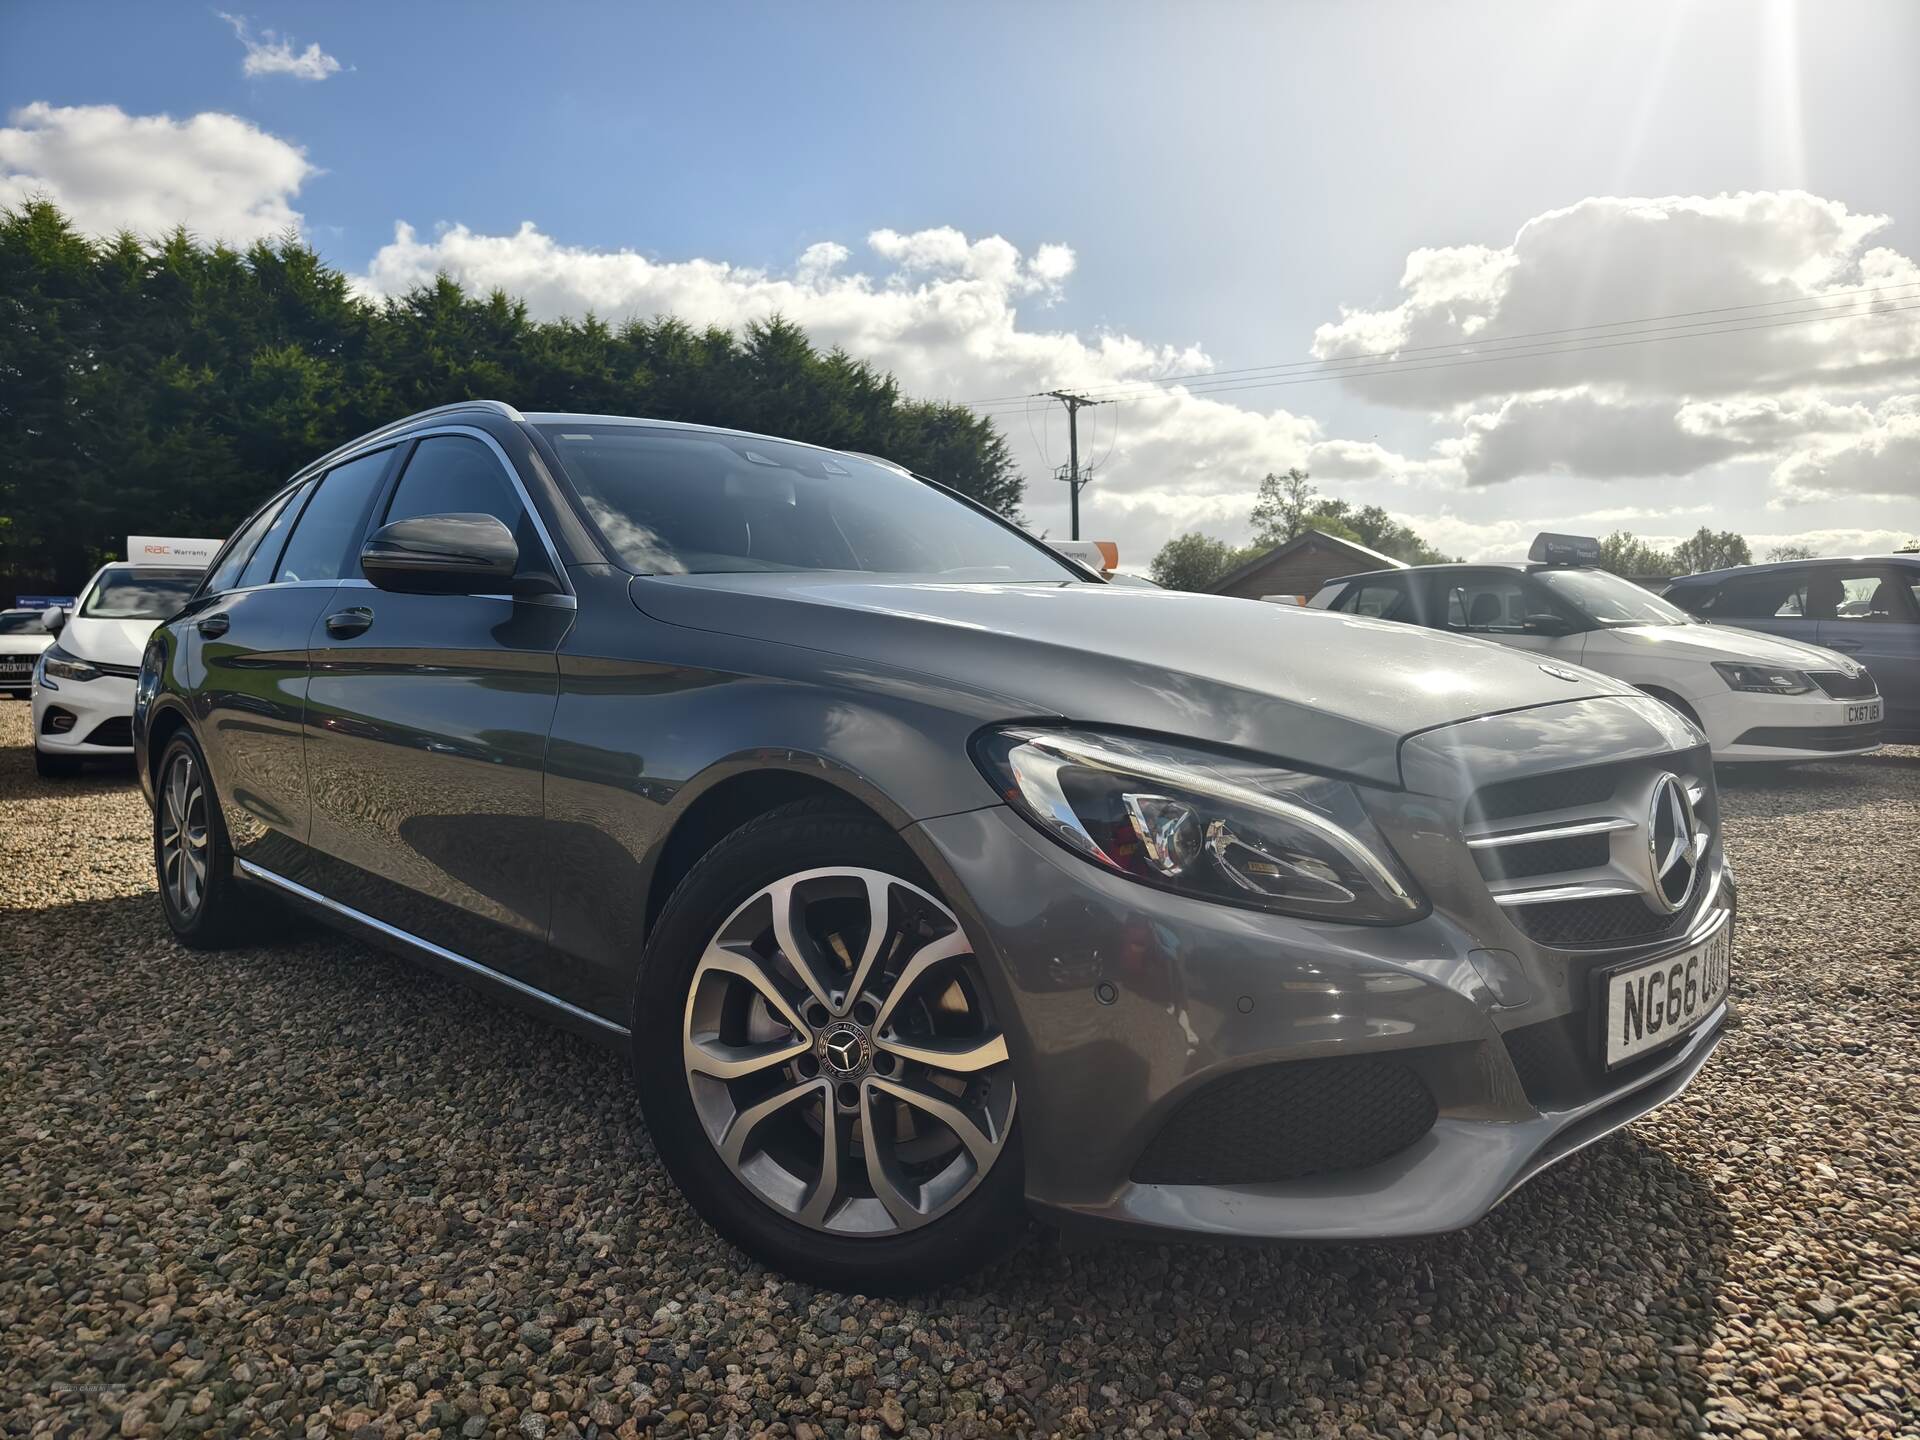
495	407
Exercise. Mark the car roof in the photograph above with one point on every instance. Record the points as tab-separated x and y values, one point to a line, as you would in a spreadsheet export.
1520	566
1728	572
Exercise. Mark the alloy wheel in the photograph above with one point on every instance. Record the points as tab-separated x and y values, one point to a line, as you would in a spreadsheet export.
183	835
842	1053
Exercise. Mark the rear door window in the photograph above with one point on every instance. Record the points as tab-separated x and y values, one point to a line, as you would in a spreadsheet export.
234	560
266	555
326	539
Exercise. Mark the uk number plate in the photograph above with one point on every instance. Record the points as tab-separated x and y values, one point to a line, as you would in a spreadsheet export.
1863	714
1653	1004
16	665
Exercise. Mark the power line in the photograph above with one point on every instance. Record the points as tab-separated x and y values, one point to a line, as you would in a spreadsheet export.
1112	435
1531	342
1388	369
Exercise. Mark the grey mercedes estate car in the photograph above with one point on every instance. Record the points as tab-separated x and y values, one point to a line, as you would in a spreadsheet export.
926	878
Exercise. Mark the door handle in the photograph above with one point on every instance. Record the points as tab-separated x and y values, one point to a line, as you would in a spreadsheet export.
1844	644
345	624
213	626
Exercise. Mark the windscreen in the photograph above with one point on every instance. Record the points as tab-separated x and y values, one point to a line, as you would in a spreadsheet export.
130	592
1606	599
674	502
21	622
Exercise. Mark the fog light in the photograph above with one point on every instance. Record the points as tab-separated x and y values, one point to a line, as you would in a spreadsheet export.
58	721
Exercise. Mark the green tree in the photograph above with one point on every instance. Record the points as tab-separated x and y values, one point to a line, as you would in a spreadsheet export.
1288	504
1625	553
1195	561
1281	508
1711	550
1373	527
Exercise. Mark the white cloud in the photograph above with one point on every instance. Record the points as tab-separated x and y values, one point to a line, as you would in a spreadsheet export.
273	54
220	176
1583	433
1880	462
1607	260
1830	328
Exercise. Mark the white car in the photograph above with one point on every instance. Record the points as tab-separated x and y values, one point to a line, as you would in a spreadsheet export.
84	682
22	638
1757	697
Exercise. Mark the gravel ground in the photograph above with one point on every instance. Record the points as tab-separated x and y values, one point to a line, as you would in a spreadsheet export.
311	1188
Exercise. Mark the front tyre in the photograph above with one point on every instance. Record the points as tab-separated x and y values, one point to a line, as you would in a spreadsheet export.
205	905
819	1061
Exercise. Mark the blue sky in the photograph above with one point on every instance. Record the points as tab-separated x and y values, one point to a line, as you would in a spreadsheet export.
1227	177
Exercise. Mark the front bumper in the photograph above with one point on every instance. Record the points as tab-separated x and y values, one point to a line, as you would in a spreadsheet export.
1756	728
102	711
1122	1003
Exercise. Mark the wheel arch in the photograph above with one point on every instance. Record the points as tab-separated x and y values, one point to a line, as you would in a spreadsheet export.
164	721
1667	695
734	792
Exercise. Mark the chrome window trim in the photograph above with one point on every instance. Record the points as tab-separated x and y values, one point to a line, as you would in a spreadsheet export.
292	887
387	431
564	598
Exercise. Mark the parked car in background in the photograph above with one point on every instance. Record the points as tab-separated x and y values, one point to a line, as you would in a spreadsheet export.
1757	697
1865	607
22	638
83	684
922	875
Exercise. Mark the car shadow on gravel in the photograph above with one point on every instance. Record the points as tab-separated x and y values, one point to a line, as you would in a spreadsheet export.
1609	1263
202	1141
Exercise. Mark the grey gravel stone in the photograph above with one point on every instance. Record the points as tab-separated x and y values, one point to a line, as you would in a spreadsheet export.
309	1189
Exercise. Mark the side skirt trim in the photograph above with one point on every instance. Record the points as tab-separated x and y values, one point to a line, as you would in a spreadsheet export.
440	952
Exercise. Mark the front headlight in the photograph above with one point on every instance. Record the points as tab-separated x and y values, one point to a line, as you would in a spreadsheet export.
1211	826
62	665
1763	679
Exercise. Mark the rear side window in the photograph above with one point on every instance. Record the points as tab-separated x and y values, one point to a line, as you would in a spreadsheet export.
234	560
266	555
326	537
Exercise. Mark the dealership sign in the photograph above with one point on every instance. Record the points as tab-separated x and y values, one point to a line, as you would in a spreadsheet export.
169	550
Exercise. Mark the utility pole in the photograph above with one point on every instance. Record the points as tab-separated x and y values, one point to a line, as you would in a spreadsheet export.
1075	404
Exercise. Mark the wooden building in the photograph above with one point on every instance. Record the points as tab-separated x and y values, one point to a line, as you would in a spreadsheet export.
1301	566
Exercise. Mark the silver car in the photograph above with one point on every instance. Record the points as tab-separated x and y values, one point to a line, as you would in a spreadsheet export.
925	878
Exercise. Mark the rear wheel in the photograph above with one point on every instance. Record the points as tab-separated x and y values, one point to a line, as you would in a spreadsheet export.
820	1064
206	906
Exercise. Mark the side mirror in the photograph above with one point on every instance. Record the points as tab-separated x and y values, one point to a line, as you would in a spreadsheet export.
1546	623
442	555
53	619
